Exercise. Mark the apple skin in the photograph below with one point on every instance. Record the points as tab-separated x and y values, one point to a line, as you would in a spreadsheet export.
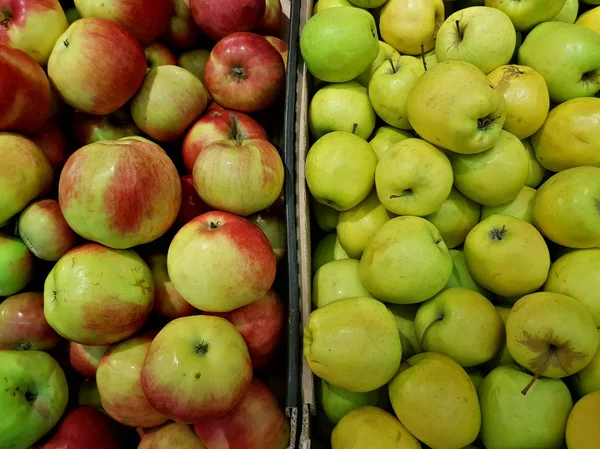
385	136
219	262
327	250
170	436
22	83
23	325
194	61
280	46
84	85
93	128
218	124
95	295
120	193
461	276
256	422
182	32
52	141
590	19
21	22
582	430
191	204
274	227
158	54
85	427
33	396
16	265
218	19
520	207
245	72
337	279
85	359
527	15
272	22
197	368
587	380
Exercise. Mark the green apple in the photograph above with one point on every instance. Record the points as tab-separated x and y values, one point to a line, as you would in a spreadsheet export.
434	398
89	394
275	228
582	426
587	380
502	356
33	396
476	376
537	172
565	208
327	249
567	56
453	106
526	15
537	342
357	226
340	170
341	107
406	262
386	51
16	265
405	321
72	15
495	176
322	5
511	420
335	333
484	37
507	255
325	216
568	13
385	136
368	4
413	178
338	44
455	218
389	87
570	136
590	19
372	428
461	324
527	98
411	27
461	276
335	280
337	403
194	61
577	274
520	207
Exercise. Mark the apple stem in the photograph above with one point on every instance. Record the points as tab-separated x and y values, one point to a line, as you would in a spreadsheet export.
236	133
535	377
439	318
392	64
423	56
354	128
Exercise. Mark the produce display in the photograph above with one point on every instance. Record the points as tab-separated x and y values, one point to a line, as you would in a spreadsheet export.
453	166
142	224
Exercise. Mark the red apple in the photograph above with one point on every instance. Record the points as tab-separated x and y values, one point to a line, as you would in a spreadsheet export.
120	193
21	21
159	54
256	422
85	427
280	46
92	128
245	72
272	21
23	83
53	142
182	32
81	81
191	204
219	19
218	124
23	325
260	324
85	359
145	19
171	436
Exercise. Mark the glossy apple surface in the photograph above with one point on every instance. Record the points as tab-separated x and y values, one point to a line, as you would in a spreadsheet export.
219	19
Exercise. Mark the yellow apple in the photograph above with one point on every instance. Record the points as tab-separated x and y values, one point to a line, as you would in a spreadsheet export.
503	356
322	5
385	136
335	280
526	15
325	216
405	321
461	276
583	431
520	207
587	380
537	172
386	51
568	13
590	19
327	249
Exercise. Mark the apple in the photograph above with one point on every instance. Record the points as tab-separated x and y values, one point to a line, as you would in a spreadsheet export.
520	207
337	279
194	61
21	21
507	255
415	393
273	20
85	427
590	19
526	15
89	394
96	295
244	72
334	332
461	324
502	356
85	359
84	85
197	368
565	208
325	216
337	403
587	380
460	274
338	44
385	136
390	270
552	45
495	176
537	172
442	113
484	37
218	20
322	5
52	141
171	435
568	13
274	228
191	204
341	107
158	54
537	419
327	250
120	193
413	178
569	137
93	128
182	32
389	88
16	265
386	51
33	396
404	315
23	325
581	430
219	262
280	46
411	27
22	83
72	15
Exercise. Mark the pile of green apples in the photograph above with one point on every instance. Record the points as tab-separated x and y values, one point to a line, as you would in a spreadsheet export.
454	172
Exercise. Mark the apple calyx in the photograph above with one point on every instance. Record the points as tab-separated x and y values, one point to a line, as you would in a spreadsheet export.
24	346
202	348
591	77
437	319
486	122
6	17
214	225
239	74
498	234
